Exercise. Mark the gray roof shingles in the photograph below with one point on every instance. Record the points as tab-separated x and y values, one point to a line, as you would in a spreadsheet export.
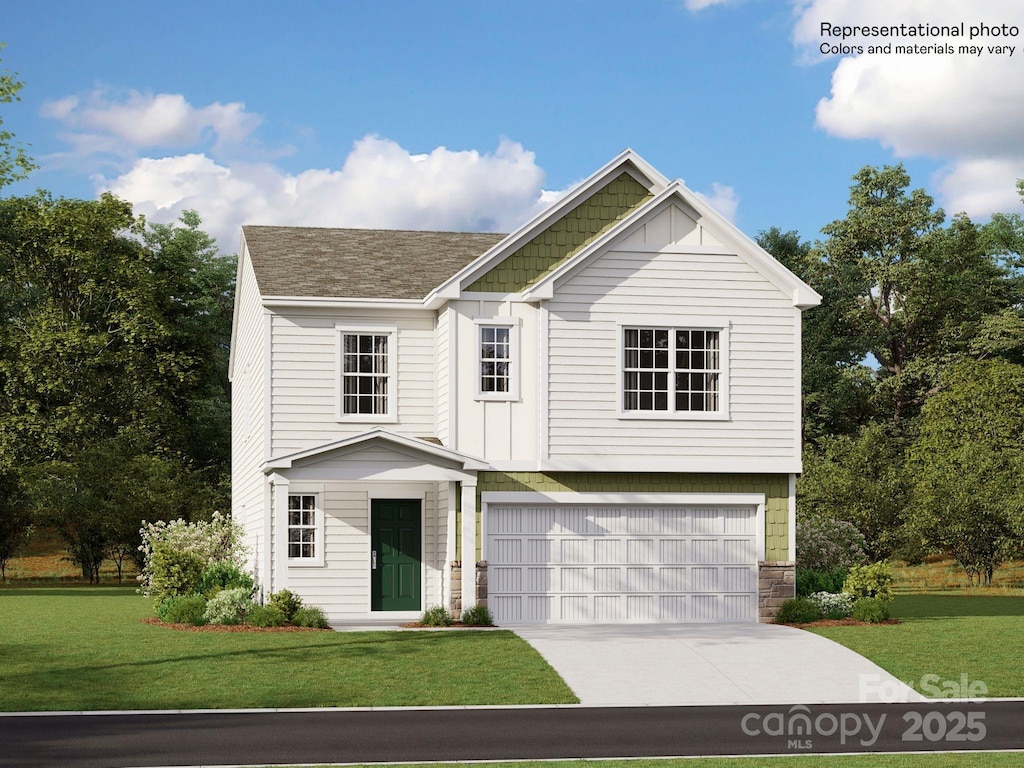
358	263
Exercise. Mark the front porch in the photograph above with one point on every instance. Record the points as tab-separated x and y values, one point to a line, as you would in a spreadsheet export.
366	528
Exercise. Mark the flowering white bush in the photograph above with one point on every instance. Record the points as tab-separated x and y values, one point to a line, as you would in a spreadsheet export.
177	553
228	606
823	543
833	605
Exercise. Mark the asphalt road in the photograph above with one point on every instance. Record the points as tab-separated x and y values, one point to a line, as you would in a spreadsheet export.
267	738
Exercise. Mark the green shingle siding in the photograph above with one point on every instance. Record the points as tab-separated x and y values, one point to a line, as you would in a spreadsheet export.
774	487
566	237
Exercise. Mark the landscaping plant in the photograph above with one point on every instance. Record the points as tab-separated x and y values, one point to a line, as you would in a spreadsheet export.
798	610
436	616
265	616
183	609
285	601
871	609
178	552
229	606
832	605
866	581
810	580
310	616
477	616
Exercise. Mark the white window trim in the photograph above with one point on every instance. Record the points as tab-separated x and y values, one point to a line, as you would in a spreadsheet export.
319	542
683	324
366	418
504	321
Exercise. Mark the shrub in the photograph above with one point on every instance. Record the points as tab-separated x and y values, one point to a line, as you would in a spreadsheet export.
206	543
265	616
832	605
797	610
477	616
873	580
437	616
286	602
221	576
310	616
228	606
824	543
871	609
173	572
809	581
182	609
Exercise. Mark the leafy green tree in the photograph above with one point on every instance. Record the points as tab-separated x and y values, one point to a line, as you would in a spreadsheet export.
15	521
860	479
968	466
84	353
15	164
914	291
837	386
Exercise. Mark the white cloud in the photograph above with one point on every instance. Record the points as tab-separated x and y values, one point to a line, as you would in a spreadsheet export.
964	109
380	185
723	199
138	121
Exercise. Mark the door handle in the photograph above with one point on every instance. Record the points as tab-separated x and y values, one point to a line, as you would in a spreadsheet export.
373	559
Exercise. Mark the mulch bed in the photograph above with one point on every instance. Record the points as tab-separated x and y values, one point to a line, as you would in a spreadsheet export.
154	621
845	623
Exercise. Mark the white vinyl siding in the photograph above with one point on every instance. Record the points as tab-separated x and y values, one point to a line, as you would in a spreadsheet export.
673	289
306	370
342	589
248	413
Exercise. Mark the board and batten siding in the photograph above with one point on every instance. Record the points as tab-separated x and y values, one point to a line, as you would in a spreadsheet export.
498	430
668	288
341	587
305	377
248	411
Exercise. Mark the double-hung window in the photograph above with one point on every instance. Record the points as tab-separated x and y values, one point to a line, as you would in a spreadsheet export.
673	371
367	374
303	526
498	345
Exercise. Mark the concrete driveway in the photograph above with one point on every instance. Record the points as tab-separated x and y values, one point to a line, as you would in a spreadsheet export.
675	664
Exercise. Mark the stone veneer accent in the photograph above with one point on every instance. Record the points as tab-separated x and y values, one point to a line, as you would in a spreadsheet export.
455	599
776	583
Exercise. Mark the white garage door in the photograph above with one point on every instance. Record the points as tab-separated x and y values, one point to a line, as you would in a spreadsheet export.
618	563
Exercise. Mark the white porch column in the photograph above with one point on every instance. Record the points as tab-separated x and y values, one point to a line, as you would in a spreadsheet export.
280	549
468	543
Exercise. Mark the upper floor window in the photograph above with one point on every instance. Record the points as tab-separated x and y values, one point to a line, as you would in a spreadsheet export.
367	372
671	371
498	344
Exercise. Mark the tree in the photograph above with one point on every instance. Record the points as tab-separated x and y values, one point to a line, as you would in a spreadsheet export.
836	385
968	465
860	479
15	521
99	500
14	163
915	291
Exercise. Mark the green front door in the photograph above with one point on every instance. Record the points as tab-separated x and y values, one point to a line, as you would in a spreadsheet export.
395	535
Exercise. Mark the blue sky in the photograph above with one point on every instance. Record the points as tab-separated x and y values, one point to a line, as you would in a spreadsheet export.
473	115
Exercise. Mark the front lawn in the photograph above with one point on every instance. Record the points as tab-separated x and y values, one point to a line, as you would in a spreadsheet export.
85	648
948	636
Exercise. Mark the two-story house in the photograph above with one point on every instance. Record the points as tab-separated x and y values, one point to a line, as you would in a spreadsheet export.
595	418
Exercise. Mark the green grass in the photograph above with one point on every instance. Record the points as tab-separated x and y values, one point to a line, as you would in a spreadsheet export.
85	649
956	760
946	635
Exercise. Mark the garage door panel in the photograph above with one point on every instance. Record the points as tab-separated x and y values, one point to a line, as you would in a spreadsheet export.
622	564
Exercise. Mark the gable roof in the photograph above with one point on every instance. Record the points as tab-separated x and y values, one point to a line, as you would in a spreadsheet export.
358	263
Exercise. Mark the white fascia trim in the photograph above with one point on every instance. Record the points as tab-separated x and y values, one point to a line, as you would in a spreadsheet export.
682	464
243	254
803	295
791	518
451	288
468	462
340	303
571	497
